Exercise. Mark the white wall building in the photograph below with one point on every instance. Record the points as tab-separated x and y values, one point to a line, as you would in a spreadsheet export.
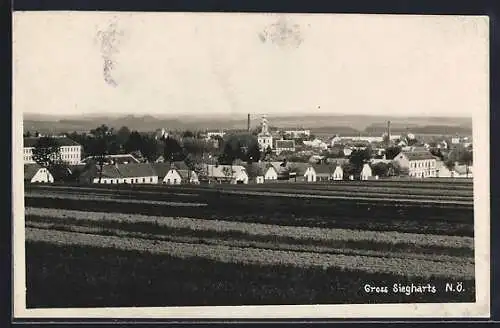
70	151
34	173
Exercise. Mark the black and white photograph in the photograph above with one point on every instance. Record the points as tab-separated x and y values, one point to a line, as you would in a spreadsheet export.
250	165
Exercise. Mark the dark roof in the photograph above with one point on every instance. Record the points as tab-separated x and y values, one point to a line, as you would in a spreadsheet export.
62	141
128	170
323	169
118	159
298	167
161	169
185	174
30	170
285	144
418	155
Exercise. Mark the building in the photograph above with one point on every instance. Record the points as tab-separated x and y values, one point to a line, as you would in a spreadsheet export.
441	170
264	138
298	133
136	173
70	150
175	176
338	173
319	172
366	172
316	143
214	134
284	145
34	173
462	171
420	164
234	174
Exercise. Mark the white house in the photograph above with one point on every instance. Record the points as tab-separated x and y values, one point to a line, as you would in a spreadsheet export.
420	164
366	172
338	173
135	173
316	143
176	176
34	173
442	171
235	174
270	173
70	151
318	172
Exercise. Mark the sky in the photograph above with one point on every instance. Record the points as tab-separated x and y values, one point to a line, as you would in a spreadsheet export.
202	64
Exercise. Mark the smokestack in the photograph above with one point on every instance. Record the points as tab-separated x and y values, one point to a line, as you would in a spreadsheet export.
389	131
248	123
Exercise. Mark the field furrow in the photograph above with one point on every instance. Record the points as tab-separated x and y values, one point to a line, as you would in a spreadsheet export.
228	254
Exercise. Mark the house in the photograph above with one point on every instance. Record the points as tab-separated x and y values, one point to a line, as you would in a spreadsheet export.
282	170
316	143
176	176
270	172
366	172
347	152
462	171
234	174
441	170
338	173
284	145
318	172
70	151
114	159
135	173
420	164
34	173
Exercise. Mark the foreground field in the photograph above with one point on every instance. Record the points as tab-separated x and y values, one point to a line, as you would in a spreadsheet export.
157	246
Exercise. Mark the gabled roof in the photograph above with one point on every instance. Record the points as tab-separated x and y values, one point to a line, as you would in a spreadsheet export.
128	170
323	169
62	141
161	169
30	170
417	155
118	159
186	174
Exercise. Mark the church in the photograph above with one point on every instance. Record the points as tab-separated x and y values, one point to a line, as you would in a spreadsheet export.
264	138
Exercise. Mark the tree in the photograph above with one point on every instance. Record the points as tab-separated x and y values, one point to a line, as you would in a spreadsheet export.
188	134
359	157
122	136
172	150
99	146
46	152
391	152
134	142
148	148
381	169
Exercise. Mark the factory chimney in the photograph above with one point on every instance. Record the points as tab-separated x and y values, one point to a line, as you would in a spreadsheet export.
248	123
389	132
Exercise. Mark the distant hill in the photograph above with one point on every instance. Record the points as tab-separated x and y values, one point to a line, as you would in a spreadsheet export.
334	124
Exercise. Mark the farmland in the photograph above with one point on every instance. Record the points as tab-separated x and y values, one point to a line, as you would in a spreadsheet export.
155	245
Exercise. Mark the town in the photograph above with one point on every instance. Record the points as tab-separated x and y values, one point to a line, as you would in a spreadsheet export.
262	154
